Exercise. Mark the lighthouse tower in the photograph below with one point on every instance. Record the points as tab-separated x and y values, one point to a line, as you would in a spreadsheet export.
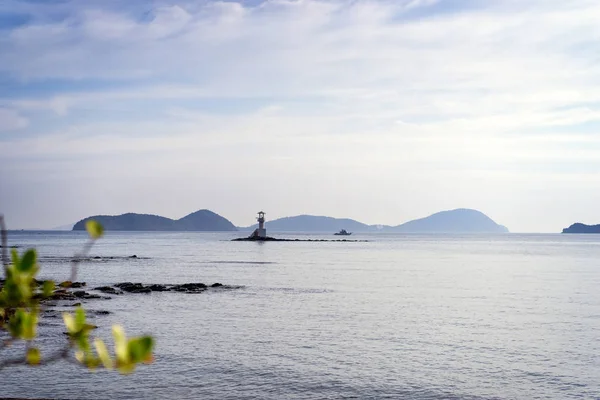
261	232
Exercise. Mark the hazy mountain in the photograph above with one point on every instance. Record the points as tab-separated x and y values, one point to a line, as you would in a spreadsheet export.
202	220
582	228
461	220
453	221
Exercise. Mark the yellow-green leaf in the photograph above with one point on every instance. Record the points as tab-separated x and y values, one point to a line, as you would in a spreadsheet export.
70	323
126	368
33	356
79	318
103	353
79	356
48	288
94	229
120	345
30	325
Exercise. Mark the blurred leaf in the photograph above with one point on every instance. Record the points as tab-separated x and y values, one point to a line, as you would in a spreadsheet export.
103	353
33	356
23	324
140	349
30	325
120	344
79	356
15	324
126	368
94	229
79	318
48	288
27	262
70	323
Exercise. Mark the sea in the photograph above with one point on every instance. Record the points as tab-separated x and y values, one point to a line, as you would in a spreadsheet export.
508	316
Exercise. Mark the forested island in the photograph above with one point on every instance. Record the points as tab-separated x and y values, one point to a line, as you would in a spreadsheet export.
582	228
202	220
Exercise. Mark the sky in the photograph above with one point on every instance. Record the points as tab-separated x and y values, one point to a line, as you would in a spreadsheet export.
382	111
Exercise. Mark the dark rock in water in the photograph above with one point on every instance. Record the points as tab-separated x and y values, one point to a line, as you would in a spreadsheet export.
133	287
133	256
108	289
78	284
101	312
582	228
97	258
158	288
80	294
216	285
190	287
62	294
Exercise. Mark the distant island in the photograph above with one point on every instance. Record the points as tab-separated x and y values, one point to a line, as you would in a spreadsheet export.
582	228
202	220
461	220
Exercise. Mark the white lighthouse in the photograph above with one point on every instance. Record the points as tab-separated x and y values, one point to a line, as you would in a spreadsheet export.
261	232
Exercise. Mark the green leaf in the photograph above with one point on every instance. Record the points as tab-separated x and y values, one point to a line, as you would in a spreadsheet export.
15	324
23	325
33	356
27	262
140	349
48	288
94	229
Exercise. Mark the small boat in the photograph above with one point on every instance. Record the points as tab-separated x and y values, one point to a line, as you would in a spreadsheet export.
343	232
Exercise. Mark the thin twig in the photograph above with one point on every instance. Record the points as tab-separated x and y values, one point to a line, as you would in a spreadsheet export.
78	257
4	235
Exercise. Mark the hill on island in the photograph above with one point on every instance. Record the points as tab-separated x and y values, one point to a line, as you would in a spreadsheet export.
582	228
454	221
202	220
462	220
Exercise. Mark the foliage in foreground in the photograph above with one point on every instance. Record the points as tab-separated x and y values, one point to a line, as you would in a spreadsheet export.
22	298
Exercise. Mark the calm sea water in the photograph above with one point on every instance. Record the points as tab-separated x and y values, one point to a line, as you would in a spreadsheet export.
402	316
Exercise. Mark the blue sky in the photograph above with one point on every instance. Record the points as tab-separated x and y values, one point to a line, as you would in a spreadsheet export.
383	111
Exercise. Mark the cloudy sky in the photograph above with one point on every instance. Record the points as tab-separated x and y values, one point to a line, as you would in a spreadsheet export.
382	111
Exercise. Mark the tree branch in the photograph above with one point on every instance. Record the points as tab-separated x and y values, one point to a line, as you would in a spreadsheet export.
4	235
